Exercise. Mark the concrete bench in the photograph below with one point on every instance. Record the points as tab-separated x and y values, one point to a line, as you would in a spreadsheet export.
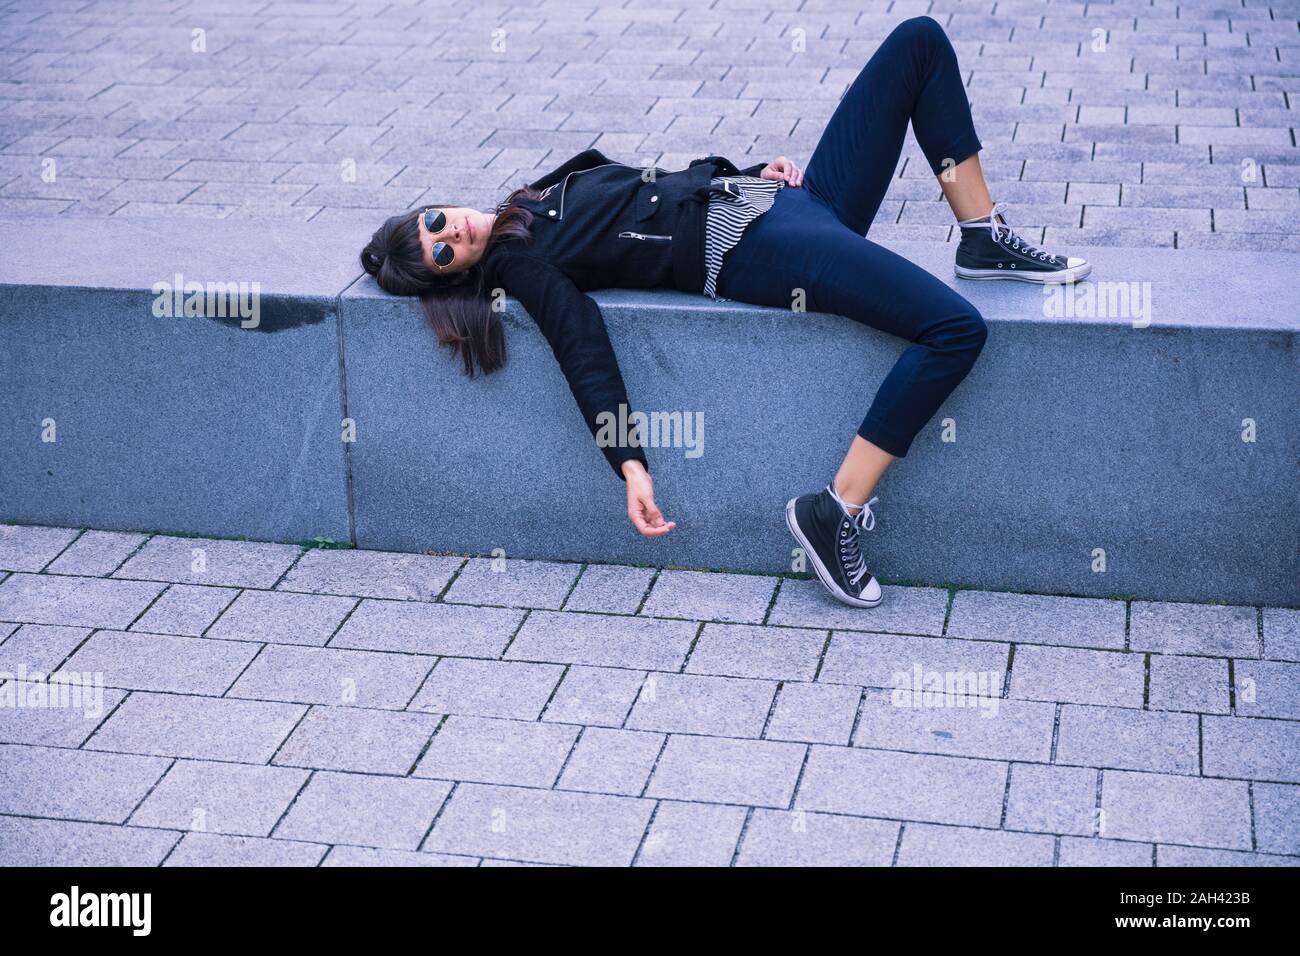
1160	444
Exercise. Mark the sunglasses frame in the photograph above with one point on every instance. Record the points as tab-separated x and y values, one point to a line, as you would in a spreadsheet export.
434	251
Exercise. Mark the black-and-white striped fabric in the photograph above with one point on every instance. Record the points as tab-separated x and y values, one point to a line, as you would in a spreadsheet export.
734	202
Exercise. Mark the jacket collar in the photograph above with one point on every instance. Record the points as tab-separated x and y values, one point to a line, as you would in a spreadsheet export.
587	159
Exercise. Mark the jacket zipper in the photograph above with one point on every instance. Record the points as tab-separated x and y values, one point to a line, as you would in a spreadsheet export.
564	185
638	235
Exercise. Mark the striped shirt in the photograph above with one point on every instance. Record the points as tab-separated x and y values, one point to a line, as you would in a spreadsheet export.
735	202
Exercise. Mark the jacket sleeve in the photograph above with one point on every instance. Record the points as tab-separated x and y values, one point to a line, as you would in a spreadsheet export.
727	168
575	329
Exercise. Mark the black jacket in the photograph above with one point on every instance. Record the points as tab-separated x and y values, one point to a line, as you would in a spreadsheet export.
600	225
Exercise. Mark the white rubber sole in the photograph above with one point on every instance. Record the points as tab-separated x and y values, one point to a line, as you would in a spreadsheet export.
823	575
1038	278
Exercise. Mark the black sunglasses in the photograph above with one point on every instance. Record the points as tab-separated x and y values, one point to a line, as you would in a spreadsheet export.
442	254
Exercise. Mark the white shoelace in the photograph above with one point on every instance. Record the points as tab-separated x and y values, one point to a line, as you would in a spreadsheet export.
998	226
864	520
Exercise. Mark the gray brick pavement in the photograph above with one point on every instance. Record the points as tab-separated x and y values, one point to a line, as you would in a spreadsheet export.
1174	126
353	708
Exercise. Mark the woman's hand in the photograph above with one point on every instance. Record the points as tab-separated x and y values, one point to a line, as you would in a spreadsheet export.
782	168
641	507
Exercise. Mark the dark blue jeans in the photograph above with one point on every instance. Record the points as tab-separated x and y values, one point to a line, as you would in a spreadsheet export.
813	236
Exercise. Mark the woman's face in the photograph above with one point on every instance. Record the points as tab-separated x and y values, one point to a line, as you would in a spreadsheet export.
464	232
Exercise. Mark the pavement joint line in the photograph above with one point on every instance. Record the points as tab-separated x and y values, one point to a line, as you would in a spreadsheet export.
798	780
852	748
1146	681
1097	809
419	687
740	837
771	709
637	669
821	656
577	738
771	601
654	578
442	720
645	833
446	801
573	586
225	695
1006	797
1056	733
149	792
686	659
329	641
1200	744
1251	812
898	844
645	787
302	787
1007	672
564	674
515	634
287	737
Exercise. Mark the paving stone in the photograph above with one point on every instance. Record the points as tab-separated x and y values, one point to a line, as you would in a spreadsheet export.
1282	633
1200	857
162	662
602	696
324	675
1091	851
187	609
746	650
392	812
31	714
77	784
928	845
610	588
371	856
1078	676
1268	689
879	783
85	602
204	728
1250	748
612	761
887	660
282	618
1277	817
486	750
1209	629
709	596
815	713
359	740
583	829
683	703
26	842
428	628
220	798
30	548
1048	799
214	849
488	688
602	640
38	648
1198	684
1037	619
798	838
1128	739
95	553
372	574
719	770
1159	808
242	564
513	582
1002	729
691	834
805	603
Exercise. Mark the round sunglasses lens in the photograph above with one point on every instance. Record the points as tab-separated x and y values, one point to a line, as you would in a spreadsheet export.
442	254
434	220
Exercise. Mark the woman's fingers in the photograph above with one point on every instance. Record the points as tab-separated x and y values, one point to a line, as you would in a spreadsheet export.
648	518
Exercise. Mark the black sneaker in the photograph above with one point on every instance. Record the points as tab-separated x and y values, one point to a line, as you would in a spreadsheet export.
989	249
829	536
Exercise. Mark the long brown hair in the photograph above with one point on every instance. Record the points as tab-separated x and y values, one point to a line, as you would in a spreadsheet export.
457	304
